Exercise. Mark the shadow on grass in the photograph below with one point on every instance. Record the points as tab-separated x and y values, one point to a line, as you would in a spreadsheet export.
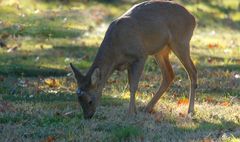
50	102
226	67
59	97
165	131
30	71
44	30
204	130
234	66
223	9
222	92
23	63
206	19
39	26
116	130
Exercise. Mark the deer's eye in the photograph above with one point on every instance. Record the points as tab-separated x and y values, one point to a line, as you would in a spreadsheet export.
80	92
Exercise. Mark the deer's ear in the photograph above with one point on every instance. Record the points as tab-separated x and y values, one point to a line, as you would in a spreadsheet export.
95	76
77	74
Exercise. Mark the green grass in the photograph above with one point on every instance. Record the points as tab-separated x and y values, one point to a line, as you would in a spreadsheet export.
47	36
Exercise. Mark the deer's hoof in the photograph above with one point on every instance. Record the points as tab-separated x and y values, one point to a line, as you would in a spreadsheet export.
190	114
190	111
132	112
149	110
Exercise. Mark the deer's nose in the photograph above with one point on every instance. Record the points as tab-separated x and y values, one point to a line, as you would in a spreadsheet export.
78	91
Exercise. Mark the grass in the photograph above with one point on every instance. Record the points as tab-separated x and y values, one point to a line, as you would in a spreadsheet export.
37	100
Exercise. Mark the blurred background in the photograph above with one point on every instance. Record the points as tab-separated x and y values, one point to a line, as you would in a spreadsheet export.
48	34
39	38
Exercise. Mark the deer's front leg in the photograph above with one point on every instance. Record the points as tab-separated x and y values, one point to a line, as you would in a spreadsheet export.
134	74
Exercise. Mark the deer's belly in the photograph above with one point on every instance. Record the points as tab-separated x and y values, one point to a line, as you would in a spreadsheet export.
154	38
121	67
155	45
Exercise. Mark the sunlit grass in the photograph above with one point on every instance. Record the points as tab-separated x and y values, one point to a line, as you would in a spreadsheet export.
37	100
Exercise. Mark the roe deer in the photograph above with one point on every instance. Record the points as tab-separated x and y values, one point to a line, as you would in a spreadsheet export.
149	28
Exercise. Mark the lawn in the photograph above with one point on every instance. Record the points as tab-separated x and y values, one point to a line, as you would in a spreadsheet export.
39	38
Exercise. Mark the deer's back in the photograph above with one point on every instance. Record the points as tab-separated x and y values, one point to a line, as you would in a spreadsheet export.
155	23
145	30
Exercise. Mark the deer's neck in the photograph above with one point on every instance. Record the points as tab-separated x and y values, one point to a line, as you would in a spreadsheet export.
105	63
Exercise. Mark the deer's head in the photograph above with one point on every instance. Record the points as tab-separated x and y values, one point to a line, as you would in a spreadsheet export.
88	91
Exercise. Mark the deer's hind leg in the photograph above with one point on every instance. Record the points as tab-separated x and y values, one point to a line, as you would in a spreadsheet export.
162	59
182	51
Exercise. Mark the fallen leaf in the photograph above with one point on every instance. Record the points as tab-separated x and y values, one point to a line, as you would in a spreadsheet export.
146	85
183	101
70	113
51	82
225	103
112	81
210	45
207	140
50	139
1	78
175	95
37	59
209	99
5	36
12	49
182	114
209	60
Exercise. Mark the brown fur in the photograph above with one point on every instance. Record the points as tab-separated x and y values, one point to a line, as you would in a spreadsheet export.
149	28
